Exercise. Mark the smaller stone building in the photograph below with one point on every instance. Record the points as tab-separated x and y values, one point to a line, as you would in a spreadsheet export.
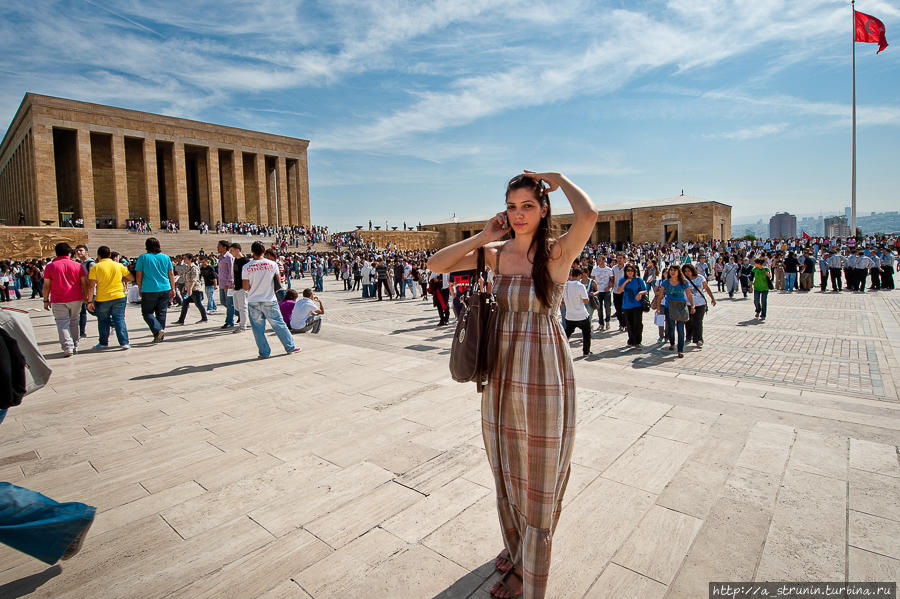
670	220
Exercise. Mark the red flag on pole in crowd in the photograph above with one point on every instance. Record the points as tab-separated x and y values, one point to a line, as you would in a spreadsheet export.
870	30
806	235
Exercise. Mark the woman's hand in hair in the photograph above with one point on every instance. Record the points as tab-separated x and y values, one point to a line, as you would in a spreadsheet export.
551	179
495	228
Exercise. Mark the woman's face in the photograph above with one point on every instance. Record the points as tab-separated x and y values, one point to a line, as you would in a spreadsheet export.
673	272
524	211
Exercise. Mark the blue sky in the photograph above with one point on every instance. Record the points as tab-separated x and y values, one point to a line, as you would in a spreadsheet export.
418	110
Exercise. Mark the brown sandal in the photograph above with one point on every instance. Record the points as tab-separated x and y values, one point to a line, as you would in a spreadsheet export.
507	563
502	590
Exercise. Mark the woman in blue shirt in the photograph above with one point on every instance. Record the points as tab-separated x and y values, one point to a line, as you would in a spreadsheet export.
632	289
674	286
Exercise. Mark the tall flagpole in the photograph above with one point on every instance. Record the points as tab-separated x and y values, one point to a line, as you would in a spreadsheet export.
853	143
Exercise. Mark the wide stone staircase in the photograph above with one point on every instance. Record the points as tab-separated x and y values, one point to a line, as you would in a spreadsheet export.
129	243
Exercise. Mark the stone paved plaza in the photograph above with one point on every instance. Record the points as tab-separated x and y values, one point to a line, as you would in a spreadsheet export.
356	467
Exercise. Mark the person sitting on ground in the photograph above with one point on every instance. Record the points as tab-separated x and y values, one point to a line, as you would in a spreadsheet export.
307	314
287	304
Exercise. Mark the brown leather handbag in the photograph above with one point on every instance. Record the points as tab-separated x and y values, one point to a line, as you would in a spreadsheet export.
474	348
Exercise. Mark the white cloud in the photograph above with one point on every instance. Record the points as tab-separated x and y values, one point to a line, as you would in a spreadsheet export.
750	132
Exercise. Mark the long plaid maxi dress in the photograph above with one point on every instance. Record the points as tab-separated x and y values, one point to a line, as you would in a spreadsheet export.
528	423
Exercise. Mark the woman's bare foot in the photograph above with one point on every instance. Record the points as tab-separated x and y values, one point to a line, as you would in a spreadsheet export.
508	587
502	562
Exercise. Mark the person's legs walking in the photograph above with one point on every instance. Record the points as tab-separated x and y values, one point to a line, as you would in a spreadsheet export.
756	302
670	329
198	300
585	326
697	324
82	321
258	324
763	301
117	316
210	299
65	315
227	301
149	300
102	310
273	315
679	327
161	309
620	313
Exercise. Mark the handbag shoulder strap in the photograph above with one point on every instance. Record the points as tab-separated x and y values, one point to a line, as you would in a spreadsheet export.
499	251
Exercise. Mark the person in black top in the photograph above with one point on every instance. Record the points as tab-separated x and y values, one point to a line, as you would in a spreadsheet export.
746	275
210	282
398	279
791	268
240	295
381	279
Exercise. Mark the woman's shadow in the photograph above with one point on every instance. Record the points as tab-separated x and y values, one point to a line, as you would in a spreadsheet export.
29	584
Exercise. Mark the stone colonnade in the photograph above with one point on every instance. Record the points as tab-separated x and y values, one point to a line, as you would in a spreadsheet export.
103	177
63	160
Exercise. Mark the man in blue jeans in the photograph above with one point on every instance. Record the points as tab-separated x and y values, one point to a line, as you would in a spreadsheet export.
225	271
106	298
258	280
156	280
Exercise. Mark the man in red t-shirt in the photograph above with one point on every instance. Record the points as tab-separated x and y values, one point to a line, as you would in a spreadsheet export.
64	283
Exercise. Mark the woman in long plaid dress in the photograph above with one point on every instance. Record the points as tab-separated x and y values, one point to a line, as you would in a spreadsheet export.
528	406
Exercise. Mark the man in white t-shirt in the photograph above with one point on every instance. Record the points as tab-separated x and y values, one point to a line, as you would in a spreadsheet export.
603	274
258	280
307	313
576	297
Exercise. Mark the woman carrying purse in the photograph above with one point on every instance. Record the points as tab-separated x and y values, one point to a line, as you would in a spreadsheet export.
528	404
674	286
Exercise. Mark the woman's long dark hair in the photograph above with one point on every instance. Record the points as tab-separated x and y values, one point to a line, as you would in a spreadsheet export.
540	274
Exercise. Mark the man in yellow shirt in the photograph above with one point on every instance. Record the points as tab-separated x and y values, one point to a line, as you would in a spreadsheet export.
106	297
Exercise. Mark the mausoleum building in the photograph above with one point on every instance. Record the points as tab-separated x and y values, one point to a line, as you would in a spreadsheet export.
64	161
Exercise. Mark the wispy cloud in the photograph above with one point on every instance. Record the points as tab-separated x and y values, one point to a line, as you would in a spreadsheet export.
749	132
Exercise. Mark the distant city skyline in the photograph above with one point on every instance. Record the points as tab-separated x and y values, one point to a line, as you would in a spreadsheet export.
418	110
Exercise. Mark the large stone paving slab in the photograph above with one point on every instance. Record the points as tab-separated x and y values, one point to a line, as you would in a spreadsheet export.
356	468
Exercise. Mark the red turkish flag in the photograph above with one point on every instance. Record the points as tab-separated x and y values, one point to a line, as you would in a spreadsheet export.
870	30
806	235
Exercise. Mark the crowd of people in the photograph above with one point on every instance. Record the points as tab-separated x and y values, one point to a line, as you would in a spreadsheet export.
547	294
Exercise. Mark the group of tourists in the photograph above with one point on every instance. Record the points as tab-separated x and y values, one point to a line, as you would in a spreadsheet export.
250	287
545	290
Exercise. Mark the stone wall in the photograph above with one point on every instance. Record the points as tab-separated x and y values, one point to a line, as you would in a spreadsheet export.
24	243
404	240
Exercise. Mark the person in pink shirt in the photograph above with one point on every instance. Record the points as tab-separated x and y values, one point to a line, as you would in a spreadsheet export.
64	283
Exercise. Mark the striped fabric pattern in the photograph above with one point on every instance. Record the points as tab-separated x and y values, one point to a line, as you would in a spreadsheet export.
528	424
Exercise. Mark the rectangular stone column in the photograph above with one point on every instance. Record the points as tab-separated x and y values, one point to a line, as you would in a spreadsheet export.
303	187
215	191
151	182
181	201
292	191
264	214
45	175
284	200
120	179
85	178
237	171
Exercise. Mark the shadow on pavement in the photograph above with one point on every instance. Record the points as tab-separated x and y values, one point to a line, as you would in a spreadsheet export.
469	583
29	584
190	369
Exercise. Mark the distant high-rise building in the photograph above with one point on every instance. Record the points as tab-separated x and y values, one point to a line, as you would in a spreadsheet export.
847	213
836	226
783	226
